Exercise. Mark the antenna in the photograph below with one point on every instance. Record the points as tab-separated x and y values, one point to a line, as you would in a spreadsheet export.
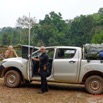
29	37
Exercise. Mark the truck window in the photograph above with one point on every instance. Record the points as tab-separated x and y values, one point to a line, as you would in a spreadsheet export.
50	53
65	53
37	54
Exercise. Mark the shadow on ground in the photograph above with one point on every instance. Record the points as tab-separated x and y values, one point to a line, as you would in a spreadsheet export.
56	86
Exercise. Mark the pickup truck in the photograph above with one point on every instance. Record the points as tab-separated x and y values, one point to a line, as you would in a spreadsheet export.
67	64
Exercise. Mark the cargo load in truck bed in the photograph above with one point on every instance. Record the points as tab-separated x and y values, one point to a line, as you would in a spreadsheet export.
93	51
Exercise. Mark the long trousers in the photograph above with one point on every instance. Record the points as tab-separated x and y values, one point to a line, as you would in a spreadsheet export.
44	85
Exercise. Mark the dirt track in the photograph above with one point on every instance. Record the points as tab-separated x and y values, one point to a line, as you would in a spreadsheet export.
58	93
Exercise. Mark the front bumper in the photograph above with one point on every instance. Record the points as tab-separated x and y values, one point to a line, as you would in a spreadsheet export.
1	70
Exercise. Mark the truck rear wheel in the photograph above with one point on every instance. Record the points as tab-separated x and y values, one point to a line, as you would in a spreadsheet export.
12	78
94	84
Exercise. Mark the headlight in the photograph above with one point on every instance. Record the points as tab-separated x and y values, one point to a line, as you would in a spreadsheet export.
2	62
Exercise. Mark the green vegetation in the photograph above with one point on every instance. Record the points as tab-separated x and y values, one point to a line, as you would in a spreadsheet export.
53	30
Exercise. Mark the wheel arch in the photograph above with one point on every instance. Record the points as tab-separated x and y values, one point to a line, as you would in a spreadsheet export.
91	73
15	69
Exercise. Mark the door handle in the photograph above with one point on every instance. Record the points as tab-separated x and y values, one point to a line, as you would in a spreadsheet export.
72	61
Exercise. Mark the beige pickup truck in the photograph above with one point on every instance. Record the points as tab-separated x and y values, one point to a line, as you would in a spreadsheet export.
66	65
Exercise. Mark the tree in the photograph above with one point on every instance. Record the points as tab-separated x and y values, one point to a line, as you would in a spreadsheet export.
7	35
52	29
24	21
100	11
98	38
81	30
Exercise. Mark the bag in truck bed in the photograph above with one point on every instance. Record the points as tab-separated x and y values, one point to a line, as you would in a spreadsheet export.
93	51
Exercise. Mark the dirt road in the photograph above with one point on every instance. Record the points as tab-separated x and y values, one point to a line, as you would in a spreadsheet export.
58	93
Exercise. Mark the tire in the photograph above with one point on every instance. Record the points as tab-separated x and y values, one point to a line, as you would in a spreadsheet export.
12	79
94	84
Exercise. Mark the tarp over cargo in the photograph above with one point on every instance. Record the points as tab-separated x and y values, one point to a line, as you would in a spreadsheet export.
93	51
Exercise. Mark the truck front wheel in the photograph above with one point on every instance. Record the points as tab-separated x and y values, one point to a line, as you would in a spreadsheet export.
94	84
12	78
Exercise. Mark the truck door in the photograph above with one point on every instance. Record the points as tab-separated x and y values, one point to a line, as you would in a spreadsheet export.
66	65
33	65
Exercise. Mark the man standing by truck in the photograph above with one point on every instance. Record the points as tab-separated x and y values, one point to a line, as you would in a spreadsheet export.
43	61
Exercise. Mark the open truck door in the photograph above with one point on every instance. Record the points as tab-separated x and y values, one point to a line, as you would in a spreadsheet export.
31	49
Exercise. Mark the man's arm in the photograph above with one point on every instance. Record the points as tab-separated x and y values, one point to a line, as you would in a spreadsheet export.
2	56
36	59
15	53
6	54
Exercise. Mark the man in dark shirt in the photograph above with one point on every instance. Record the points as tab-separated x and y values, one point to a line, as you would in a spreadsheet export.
43	61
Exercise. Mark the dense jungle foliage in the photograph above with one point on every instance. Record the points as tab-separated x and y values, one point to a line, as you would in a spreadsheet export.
53	30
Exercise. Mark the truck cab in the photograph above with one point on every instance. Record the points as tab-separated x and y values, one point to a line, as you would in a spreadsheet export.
63	65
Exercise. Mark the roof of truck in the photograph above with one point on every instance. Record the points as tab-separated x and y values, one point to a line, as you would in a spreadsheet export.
63	47
51	46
